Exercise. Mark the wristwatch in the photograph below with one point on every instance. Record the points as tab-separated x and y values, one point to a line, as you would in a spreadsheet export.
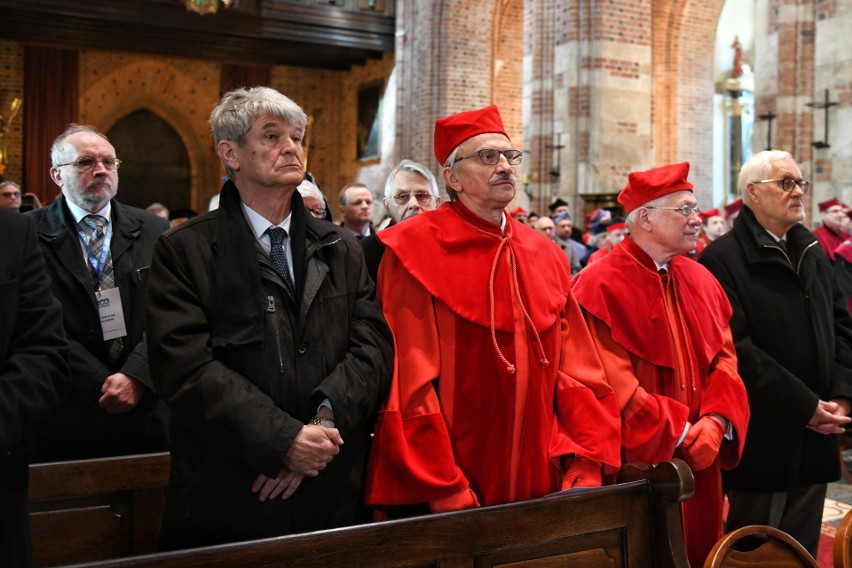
319	421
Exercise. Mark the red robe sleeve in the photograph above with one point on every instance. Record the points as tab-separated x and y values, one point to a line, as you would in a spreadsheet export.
412	457
652	424
725	394
587	419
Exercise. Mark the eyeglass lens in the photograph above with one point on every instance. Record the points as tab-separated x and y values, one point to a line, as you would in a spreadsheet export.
421	197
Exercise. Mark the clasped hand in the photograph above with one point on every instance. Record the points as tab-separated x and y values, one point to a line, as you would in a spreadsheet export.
830	416
121	393
312	450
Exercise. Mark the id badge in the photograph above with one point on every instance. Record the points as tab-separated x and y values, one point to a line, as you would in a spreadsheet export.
112	316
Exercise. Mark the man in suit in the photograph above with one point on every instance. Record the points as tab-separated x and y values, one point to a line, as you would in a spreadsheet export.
33	373
98	254
356	209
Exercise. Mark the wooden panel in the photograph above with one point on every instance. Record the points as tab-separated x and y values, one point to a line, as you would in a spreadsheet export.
78	535
276	33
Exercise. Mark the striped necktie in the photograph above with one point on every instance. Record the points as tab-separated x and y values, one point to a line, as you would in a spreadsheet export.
107	279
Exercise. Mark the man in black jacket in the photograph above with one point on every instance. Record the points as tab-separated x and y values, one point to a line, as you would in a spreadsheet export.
98	254
793	337
268	344
33	373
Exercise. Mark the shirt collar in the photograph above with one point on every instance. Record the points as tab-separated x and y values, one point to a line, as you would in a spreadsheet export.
79	213
259	224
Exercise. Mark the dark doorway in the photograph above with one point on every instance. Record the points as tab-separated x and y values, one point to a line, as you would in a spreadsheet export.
154	162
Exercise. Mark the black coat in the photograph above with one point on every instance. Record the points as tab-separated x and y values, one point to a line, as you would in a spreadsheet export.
244	365
34	371
793	336
81	429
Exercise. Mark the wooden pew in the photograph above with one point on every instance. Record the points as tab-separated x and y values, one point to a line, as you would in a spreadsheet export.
632	524
97	509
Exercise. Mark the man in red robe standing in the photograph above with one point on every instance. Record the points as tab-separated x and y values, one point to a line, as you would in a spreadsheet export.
661	321
830	235
498	394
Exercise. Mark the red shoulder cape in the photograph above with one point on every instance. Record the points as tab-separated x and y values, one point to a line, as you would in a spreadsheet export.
624	290
450	251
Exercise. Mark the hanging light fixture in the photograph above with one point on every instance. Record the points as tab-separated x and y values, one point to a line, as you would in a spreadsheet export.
208	6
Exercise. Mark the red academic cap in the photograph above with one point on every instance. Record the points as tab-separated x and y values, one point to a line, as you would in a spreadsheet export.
517	211
455	129
733	208
823	205
707	214
615	227
646	186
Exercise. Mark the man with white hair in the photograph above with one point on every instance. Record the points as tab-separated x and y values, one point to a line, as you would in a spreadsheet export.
793	337
410	190
313	199
661	323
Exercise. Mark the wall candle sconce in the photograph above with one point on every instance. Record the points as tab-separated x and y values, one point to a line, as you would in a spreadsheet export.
4	128
825	105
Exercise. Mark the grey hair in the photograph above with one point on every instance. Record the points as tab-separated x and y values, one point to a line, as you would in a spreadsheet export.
309	189
633	216
10	182
237	110
56	150
758	167
414	167
450	163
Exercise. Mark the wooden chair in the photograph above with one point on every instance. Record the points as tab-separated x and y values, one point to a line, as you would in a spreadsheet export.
843	543
779	550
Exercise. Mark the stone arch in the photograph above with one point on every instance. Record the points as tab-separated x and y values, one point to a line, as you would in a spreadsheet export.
133	81
156	165
682	92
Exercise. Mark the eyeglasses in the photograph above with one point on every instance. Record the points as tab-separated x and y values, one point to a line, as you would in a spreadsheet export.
788	183
686	210
491	157
89	163
422	197
317	212
11	195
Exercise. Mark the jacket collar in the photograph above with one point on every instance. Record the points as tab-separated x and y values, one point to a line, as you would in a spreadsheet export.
763	248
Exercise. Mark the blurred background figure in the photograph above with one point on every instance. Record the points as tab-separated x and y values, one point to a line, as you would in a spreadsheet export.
158	209
10	195
520	214
314	200
181	215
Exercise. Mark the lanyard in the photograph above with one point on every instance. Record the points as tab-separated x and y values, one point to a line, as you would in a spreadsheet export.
97	263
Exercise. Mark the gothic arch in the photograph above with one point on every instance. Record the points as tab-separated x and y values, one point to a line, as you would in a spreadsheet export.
683	84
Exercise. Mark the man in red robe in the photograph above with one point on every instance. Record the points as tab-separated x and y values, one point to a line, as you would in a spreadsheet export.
830	235
661	321
498	394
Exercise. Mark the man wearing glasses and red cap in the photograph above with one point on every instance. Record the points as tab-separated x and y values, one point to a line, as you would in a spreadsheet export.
661	322
498	394
830	234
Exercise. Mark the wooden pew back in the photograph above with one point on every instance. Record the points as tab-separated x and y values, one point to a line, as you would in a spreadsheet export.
635	523
96	509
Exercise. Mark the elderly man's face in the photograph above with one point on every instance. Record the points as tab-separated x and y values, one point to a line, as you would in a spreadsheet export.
544	225
270	157
833	217
479	186
314	206
778	210
673	231
412	195
615	237
89	187
359	206
10	196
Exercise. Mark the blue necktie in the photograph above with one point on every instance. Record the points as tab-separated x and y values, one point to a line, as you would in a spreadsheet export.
278	237
107	279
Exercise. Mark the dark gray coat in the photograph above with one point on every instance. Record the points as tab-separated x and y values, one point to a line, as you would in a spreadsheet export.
244	365
793	336
81	429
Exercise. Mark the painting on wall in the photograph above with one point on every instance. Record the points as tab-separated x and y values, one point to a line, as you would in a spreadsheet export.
369	115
